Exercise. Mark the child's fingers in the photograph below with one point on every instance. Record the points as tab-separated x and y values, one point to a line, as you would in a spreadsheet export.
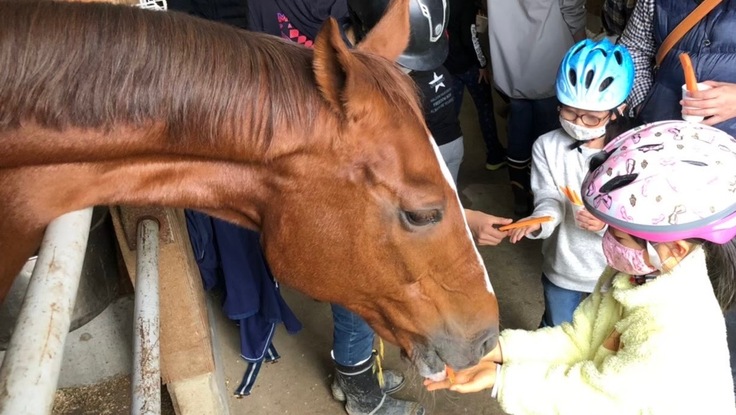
475	385
433	386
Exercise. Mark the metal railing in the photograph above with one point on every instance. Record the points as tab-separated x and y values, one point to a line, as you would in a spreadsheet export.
30	369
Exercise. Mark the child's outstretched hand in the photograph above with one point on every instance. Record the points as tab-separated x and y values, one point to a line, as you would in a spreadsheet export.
515	235
473	379
483	227
589	222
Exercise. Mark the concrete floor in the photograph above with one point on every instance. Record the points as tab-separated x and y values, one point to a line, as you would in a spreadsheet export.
299	382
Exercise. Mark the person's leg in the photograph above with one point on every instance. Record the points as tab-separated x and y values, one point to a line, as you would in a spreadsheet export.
480	92
559	303
519	153
452	153
355	381
458	91
352	337
546	116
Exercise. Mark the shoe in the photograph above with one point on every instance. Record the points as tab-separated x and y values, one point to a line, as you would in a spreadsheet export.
523	202
363	395
495	166
393	382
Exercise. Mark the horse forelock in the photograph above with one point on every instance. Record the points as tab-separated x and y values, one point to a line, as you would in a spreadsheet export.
99	66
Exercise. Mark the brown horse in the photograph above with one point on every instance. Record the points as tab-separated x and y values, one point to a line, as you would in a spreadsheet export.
323	151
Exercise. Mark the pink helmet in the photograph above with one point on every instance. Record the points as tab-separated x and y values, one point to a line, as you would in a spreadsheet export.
666	181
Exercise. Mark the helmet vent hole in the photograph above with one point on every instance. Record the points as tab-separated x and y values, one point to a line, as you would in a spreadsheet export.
573	77
695	163
619	58
605	84
618	182
589	78
597	160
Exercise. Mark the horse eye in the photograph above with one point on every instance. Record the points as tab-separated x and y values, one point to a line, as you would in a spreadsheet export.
422	217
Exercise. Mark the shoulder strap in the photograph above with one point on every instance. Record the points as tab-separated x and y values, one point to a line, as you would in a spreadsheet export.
685	25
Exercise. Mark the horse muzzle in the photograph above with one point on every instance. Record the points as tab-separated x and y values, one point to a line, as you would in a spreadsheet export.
432	358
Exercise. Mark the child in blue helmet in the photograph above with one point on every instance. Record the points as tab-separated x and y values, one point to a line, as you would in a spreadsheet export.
593	81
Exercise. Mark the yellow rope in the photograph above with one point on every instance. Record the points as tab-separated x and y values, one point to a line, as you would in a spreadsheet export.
379	364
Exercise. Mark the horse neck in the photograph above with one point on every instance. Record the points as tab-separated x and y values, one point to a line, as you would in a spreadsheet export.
205	90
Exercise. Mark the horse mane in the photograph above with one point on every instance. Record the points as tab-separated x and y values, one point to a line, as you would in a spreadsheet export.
99	65
102	66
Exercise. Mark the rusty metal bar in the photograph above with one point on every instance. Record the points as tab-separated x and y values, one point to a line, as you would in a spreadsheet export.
30	370
146	380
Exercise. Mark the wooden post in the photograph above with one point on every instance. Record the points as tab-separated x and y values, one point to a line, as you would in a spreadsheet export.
187	356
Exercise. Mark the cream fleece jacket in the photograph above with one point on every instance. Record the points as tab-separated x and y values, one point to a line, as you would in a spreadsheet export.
672	358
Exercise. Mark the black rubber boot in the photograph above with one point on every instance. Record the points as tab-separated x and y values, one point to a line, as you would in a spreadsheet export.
363	395
393	381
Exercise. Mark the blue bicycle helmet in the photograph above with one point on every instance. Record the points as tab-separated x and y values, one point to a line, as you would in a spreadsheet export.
595	76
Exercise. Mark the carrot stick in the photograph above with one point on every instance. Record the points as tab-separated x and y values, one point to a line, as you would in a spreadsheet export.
566	191
691	82
450	374
571	195
578	200
528	222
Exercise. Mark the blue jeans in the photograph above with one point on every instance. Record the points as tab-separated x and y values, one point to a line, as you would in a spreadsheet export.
528	119
452	154
480	92
559	303
352	341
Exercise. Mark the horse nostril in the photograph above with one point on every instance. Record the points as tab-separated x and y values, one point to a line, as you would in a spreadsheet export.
489	344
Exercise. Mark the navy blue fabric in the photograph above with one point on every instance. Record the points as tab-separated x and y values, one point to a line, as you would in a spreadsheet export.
230	257
252	370
711	45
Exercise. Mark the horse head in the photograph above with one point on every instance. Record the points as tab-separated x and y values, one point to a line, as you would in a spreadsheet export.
375	223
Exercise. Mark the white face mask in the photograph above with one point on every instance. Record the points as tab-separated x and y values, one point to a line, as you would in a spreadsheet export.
582	133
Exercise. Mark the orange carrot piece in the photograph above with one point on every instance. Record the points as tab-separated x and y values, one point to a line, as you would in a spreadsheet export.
691	82
578	201
571	195
450	374
528	222
566	191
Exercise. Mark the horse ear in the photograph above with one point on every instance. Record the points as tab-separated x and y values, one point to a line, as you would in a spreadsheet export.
331	61
390	36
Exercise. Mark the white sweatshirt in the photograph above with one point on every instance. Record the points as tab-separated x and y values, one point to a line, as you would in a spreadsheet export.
573	257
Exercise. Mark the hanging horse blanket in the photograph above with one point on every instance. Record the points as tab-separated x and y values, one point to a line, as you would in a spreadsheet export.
230	258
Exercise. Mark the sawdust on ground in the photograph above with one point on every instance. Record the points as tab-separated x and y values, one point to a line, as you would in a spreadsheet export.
110	397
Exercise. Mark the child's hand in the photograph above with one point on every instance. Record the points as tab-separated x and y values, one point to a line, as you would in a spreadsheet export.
484	75
515	235
589	222
482	226
473	379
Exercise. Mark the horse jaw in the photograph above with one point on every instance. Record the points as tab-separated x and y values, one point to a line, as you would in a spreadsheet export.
448	177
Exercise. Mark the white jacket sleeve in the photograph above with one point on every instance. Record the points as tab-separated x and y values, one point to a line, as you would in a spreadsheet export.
560	344
548	200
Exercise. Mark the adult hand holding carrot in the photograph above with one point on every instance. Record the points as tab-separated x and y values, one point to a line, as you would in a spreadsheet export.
716	104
